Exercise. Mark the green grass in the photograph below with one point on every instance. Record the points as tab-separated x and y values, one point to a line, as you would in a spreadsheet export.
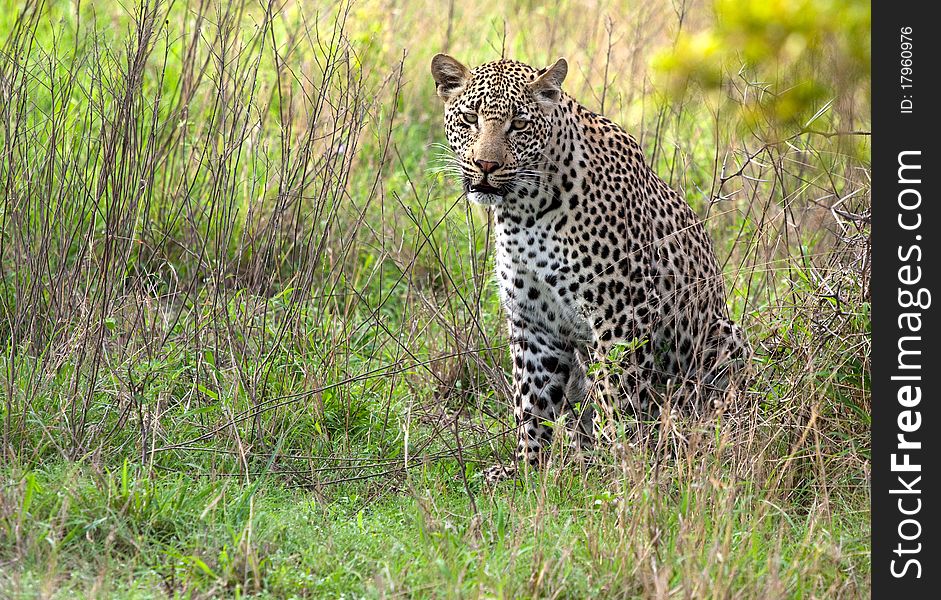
251	346
128	533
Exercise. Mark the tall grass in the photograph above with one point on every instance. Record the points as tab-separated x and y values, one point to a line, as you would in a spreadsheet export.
251	343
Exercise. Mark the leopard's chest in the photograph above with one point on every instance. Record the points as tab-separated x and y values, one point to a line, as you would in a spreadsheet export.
534	289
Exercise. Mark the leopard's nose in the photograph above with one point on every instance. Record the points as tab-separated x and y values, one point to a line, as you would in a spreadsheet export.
487	166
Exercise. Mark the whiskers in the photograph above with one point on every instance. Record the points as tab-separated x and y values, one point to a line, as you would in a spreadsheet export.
445	162
527	179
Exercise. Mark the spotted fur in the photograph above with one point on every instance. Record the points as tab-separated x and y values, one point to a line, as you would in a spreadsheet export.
593	249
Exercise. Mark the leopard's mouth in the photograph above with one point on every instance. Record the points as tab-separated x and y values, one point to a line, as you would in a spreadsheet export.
485	194
486	188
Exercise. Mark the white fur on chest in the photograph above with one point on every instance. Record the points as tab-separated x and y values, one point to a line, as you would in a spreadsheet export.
527	272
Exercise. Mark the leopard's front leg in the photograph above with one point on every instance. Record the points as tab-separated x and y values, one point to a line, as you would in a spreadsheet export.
542	371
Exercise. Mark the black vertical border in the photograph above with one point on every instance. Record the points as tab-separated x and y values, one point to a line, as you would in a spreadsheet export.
895	131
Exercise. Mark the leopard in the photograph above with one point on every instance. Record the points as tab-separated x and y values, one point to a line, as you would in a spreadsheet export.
595	256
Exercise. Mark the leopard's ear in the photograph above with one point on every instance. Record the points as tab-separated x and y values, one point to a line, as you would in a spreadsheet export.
450	75
548	86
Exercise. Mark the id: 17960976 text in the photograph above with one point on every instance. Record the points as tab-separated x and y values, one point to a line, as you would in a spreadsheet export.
906	81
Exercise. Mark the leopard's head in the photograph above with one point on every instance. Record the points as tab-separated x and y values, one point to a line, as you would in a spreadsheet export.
497	118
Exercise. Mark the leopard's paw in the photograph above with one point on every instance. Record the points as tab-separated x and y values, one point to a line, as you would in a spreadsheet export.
497	473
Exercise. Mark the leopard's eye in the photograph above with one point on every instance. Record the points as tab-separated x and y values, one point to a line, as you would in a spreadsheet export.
469	118
518	124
